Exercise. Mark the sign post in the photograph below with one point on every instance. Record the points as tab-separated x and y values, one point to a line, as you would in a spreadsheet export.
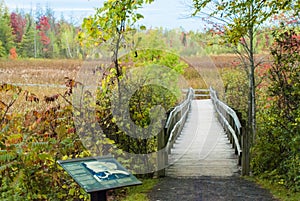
97	175
98	196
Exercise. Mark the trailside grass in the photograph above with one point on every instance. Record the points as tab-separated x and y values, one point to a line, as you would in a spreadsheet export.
139	193
134	193
277	190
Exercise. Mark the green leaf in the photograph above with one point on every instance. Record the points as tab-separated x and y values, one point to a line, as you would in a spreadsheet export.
72	191
139	16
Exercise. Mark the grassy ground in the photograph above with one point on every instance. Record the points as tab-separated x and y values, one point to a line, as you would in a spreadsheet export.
139	193
277	190
135	193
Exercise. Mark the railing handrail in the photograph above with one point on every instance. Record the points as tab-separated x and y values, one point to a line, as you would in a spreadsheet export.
218	104
173	135
183	109
200	93
189	97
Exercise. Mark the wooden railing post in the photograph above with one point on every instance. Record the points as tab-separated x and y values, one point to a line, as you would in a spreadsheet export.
231	123
246	150
162	156
240	131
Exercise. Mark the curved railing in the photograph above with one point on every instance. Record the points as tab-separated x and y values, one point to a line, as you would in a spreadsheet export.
173	127
176	120
230	122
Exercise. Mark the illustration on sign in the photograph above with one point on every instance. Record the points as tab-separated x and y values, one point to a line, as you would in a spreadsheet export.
103	171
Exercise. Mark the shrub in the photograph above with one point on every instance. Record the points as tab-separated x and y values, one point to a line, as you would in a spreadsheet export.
277	150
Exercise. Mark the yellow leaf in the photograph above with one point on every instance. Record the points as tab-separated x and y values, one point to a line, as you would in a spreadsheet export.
2	105
65	157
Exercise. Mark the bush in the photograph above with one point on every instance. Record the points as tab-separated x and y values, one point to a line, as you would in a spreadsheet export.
236	88
31	142
277	150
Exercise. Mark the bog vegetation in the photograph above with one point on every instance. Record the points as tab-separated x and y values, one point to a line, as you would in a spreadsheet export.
37	126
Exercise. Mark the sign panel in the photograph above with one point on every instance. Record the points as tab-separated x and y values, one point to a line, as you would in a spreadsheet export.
98	173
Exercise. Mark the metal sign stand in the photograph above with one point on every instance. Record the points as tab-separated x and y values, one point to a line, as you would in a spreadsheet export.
99	196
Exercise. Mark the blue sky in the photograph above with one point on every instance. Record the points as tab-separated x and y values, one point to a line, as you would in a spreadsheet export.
162	13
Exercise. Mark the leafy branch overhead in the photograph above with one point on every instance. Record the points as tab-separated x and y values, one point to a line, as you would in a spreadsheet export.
237	17
114	17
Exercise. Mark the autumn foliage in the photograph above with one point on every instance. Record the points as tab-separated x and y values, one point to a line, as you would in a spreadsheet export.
32	141
276	154
13	53
18	23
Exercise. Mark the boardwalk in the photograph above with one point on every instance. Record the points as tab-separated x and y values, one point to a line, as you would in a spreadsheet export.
203	164
202	149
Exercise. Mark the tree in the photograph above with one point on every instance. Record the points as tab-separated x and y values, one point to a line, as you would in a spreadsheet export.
43	28
52	33
66	40
111	22
27	46
239	23
6	36
18	23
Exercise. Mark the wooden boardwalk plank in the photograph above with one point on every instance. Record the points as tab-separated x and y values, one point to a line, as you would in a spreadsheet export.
202	149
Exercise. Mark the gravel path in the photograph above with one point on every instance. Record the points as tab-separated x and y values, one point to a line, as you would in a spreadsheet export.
208	189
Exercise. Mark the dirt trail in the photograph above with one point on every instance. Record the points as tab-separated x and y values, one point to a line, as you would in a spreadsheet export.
208	189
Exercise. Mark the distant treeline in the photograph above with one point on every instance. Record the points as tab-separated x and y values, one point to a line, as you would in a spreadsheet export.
41	36
24	35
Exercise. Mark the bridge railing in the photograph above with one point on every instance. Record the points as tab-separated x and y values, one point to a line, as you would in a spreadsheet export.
230	122
176	120
173	127
199	93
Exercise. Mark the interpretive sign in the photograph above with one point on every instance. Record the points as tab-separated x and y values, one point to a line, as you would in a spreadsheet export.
98	173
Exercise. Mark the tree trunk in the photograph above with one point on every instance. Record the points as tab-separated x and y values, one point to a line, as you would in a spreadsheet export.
251	98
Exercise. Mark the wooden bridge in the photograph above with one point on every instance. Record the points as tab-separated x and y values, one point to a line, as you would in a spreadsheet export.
203	137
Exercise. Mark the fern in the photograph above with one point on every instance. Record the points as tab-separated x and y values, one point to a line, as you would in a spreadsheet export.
6	156
39	145
6	166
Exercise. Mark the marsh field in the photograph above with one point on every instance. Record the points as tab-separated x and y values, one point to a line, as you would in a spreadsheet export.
45	76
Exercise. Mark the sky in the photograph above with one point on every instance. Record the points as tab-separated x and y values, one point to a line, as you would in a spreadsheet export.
161	13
